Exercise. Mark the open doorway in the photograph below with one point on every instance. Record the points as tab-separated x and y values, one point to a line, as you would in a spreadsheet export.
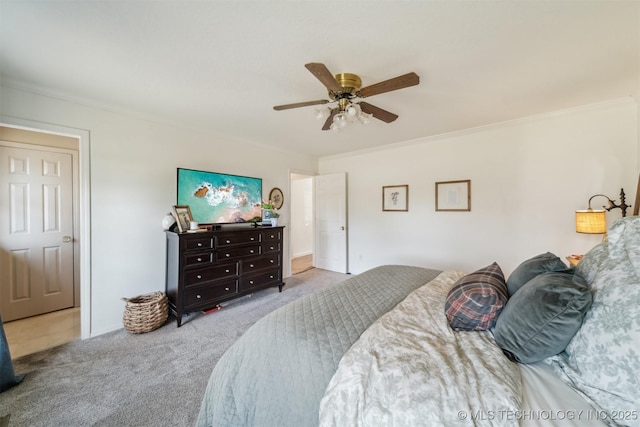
302	222
54	136
39	286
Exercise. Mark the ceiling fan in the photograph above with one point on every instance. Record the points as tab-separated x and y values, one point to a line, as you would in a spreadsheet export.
345	89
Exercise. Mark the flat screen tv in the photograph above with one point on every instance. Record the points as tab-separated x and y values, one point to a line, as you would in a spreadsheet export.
218	198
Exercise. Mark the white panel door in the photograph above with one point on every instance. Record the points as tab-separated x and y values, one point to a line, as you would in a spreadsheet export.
36	232
331	222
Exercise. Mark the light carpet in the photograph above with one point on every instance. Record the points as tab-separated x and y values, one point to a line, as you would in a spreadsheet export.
152	379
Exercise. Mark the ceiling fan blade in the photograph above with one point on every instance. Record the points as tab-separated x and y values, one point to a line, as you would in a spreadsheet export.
377	112
327	124
400	82
323	74
299	104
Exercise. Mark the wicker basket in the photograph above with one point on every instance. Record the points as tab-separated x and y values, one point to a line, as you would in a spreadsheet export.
145	313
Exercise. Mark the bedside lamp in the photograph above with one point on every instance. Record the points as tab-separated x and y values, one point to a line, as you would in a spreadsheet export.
595	221
591	222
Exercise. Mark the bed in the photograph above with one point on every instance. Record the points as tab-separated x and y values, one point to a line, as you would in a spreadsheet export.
408	346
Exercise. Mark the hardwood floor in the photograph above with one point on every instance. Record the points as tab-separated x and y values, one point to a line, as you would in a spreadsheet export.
300	264
33	334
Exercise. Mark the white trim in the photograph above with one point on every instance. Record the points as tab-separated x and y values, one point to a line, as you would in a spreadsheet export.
84	207
472	130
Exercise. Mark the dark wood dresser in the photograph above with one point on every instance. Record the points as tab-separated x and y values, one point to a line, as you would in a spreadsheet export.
207	268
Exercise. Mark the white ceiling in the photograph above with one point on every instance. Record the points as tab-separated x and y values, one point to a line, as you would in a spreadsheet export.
221	66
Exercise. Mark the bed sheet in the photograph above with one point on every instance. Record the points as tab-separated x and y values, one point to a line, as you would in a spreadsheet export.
548	401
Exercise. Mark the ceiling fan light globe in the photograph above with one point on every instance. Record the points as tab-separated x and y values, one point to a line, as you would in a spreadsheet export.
365	118
322	113
353	110
340	120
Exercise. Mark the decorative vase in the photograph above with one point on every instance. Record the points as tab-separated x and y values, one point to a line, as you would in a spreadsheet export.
167	221
274	222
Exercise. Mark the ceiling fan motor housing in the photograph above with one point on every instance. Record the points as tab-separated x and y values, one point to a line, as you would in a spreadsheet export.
349	82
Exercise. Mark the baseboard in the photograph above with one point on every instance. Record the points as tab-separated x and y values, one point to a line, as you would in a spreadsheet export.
301	254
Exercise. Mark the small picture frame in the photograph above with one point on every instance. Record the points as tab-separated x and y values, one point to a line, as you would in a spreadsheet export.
183	217
395	198
453	196
276	197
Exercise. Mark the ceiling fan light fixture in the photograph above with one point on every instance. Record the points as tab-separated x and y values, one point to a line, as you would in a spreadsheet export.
322	113
365	118
354	110
340	120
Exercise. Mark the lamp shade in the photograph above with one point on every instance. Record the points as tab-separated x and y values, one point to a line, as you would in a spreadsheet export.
591	222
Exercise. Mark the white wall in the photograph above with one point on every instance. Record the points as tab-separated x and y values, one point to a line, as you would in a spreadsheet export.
527	178
301	216
133	184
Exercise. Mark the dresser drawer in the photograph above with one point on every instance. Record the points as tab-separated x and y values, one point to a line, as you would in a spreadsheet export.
230	239
253	264
205	294
260	279
238	252
270	247
215	272
198	243
198	258
271	236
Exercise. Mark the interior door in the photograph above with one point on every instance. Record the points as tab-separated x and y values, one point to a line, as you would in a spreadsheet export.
36	232
331	222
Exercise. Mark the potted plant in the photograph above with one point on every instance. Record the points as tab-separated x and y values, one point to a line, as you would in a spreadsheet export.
274	218
269	213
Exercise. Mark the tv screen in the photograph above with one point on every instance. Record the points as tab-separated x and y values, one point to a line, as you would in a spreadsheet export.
217	198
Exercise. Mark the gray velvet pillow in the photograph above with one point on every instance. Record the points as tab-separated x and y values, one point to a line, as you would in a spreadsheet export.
541	318
532	267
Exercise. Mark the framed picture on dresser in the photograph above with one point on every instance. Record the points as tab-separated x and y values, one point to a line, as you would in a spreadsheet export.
183	217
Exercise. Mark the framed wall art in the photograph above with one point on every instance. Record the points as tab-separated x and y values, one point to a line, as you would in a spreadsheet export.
276	198
183	217
395	198
453	196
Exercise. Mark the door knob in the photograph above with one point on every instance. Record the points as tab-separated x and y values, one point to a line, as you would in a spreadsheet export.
66	239
342	228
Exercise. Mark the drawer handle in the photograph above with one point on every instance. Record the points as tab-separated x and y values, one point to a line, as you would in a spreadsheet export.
228	241
198	296
251	282
271	261
272	247
226	289
270	277
251	251
199	276
199	259
250	265
253	238
227	270
227	255
199	244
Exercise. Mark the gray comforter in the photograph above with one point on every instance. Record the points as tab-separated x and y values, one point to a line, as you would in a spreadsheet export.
277	372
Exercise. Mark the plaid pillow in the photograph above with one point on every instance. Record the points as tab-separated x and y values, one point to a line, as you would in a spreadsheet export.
474	301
